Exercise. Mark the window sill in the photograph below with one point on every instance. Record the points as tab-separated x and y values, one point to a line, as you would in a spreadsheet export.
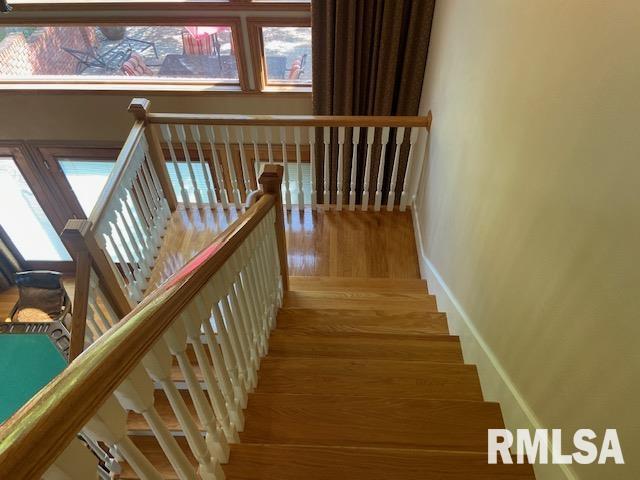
148	88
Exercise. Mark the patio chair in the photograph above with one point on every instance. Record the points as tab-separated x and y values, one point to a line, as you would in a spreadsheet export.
202	44
135	66
297	68
42	298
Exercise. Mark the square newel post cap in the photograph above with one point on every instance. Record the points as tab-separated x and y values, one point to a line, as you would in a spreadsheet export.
140	107
271	178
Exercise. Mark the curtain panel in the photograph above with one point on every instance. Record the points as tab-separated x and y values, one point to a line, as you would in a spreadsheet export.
369	58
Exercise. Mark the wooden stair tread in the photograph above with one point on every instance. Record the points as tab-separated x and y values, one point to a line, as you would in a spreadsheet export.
333	284
362	321
137	425
426	348
394	422
250	461
386	301
150	447
369	377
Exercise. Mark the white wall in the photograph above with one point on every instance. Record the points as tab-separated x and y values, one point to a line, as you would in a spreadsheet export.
529	208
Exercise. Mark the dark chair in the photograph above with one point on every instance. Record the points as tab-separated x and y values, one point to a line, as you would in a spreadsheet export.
42	298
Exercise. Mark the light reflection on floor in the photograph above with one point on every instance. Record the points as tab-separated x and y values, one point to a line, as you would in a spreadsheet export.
325	243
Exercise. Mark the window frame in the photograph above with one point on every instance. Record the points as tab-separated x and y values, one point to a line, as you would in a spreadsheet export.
235	13
24	162
73	80
256	41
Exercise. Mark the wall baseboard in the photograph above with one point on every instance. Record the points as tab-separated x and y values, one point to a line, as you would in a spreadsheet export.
495	381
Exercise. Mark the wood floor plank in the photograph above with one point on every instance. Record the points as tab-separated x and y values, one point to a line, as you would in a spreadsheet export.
250	461
382	422
426	348
362	321
369	378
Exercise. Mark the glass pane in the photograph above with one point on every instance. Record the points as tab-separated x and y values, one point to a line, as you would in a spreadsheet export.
198	173
204	52
24	220
87	179
287	52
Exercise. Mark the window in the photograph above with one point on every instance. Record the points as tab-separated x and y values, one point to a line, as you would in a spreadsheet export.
287	54
135	46
134	52
87	178
24	220
282	52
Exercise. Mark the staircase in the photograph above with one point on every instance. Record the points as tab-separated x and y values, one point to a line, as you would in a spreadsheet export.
362	381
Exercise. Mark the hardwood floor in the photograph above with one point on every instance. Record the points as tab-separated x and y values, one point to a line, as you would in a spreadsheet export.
351	244
319	243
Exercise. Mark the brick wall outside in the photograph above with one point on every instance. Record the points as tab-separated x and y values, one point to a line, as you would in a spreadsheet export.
42	53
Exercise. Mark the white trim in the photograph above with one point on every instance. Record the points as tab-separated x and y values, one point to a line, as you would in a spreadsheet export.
495	381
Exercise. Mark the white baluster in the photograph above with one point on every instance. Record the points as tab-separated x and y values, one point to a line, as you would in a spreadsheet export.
243	160
234	328
231	357
283	142
222	370
256	151
339	173
258	347
327	172
267	132
222	189
355	140
109	425
371	132
296	136
312	162
394	173
195	134
139	277
146	244
243	327
408	174
232	169
252	293
384	139
182	136
192	323
166	135
76	462
158	364
101	240
418	169
136	393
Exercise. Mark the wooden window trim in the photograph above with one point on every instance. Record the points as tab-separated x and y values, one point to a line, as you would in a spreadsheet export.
256	44
28	6
31	174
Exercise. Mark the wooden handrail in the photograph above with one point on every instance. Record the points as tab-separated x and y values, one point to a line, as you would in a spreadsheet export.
119	169
290	120
38	433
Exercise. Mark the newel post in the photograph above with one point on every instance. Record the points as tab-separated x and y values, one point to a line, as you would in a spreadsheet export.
271	182
140	108
77	233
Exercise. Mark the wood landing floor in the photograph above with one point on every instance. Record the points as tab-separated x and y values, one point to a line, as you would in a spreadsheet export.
319	243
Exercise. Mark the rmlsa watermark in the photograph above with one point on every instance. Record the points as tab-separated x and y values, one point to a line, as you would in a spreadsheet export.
536	449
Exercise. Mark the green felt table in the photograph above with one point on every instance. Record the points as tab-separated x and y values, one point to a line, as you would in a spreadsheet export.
27	363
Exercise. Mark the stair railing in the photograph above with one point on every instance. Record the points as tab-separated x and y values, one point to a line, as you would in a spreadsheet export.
228	150
221	306
189	161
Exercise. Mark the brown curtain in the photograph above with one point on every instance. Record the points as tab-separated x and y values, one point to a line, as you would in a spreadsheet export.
369	58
